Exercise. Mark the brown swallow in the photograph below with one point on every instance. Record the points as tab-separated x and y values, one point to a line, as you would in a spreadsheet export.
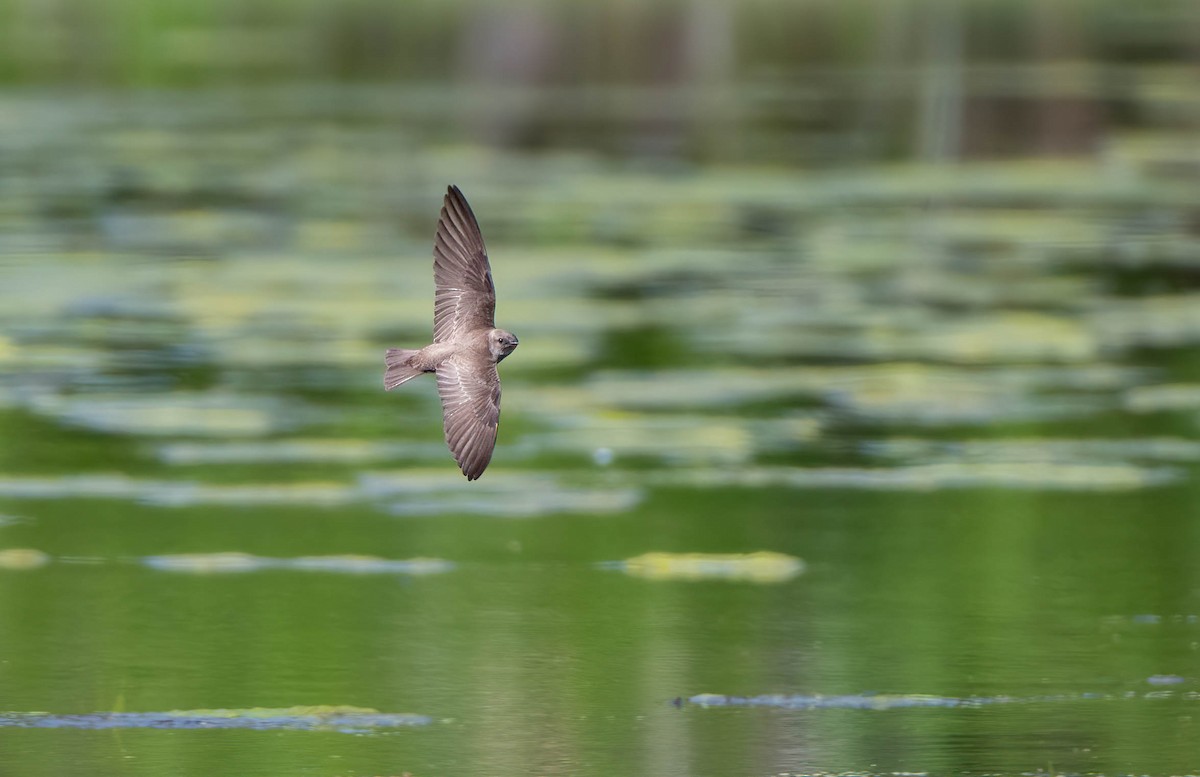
467	346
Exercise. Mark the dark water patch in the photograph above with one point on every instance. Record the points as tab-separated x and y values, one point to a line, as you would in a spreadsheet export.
648	347
679	283
1142	280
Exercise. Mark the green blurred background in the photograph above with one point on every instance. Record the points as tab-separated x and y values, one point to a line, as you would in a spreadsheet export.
908	290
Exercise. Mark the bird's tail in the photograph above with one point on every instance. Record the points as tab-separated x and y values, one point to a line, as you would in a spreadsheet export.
398	369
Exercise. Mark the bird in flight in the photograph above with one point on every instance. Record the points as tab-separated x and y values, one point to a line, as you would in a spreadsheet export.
467	346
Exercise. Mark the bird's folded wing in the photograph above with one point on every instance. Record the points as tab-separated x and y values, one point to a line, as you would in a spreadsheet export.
466	297
471	411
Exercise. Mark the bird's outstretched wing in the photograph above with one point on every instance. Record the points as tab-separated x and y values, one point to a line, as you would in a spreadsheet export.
466	297
470	391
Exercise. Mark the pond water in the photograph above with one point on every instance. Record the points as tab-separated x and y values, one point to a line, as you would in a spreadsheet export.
936	425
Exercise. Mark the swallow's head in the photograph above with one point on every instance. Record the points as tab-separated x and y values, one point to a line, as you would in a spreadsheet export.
501	343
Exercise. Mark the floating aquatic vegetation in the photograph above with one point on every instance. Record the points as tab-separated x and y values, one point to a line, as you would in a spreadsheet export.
517	495
208	415
317	450
258	352
315	718
207	563
22	558
931	477
300	494
1165	679
411	492
105	486
561	500
232	562
1171	396
897	392
175	493
664	389
56	356
1076	451
678	439
1162	321
908	335
761	567
1151	619
1009	337
370	565
936	396
891	701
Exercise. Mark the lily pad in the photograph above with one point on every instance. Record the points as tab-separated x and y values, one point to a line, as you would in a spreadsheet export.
761	567
23	558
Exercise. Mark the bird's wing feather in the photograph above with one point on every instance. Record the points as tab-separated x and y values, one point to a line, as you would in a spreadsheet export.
470	395
466	297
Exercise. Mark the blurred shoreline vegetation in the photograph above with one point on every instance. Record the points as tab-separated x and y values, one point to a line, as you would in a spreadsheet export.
859	81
